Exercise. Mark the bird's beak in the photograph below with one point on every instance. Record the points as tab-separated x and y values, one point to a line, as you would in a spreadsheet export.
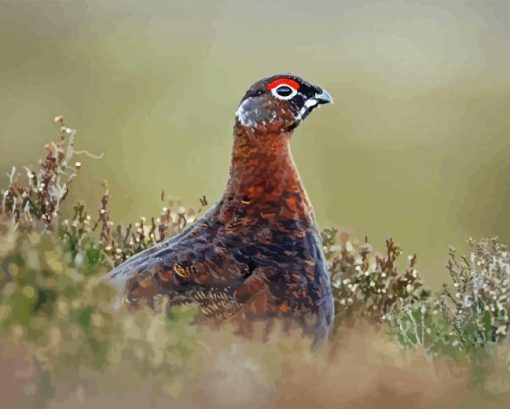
324	97
321	97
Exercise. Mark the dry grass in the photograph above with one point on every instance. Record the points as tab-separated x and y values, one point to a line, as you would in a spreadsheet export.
365	368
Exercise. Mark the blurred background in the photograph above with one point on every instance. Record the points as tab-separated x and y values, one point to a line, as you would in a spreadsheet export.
416	146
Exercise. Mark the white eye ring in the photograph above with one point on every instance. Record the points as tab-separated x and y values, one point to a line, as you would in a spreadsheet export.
274	91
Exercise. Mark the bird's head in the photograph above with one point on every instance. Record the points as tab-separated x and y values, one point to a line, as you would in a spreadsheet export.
279	104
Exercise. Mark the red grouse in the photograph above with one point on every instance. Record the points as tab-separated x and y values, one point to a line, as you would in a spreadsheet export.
256	255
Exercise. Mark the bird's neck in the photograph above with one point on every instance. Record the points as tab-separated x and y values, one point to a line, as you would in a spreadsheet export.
263	173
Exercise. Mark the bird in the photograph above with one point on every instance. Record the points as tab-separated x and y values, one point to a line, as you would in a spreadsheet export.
256	255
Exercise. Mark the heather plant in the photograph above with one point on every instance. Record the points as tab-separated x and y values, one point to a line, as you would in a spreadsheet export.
119	243
470	315
373	287
370	285
423	324
39	199
477	302
51	300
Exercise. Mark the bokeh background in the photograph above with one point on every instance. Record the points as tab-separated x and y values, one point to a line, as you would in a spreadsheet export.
416	146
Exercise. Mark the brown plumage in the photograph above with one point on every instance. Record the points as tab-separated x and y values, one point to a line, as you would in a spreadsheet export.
256	255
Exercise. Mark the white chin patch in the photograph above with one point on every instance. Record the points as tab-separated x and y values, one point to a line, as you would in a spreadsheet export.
242	115
309	104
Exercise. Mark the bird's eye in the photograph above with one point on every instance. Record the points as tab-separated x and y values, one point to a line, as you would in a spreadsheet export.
284	92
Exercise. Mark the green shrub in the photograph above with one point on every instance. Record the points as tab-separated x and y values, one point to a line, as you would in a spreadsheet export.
478	302
51	299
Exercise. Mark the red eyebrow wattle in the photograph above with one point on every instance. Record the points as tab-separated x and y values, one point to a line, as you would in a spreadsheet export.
285	81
